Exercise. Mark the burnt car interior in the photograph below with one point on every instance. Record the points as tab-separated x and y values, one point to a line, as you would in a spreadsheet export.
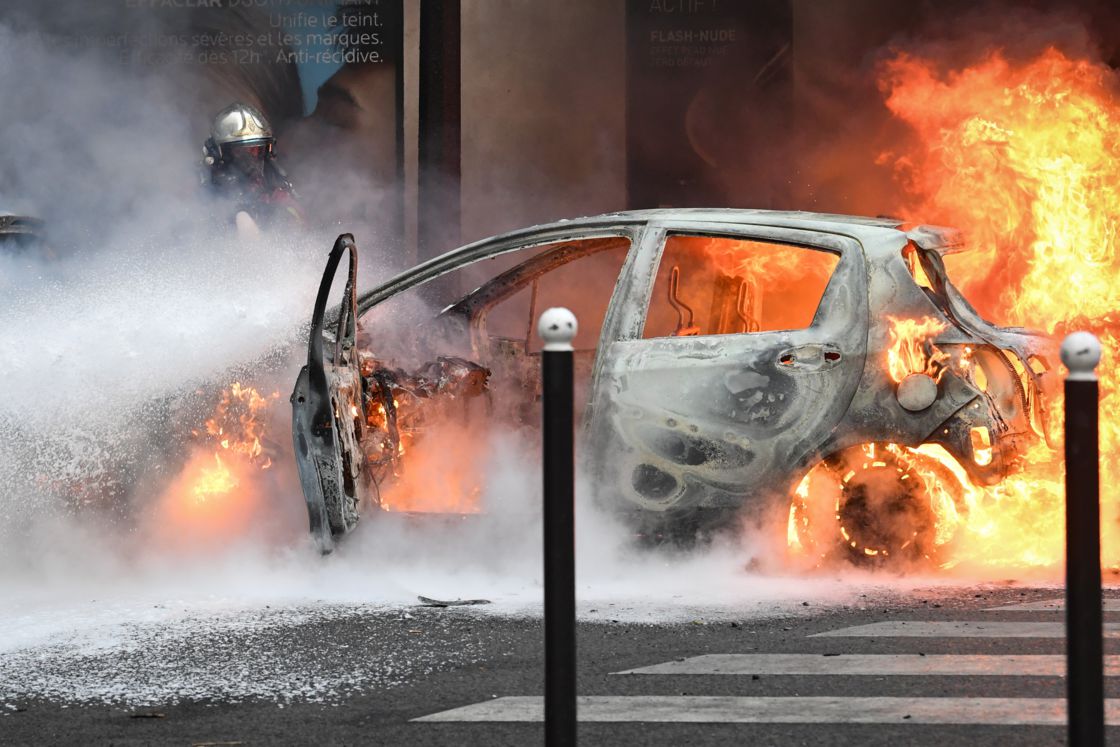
716	285
481	347
441	357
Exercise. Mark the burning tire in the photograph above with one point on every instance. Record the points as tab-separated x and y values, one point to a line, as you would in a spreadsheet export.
878	504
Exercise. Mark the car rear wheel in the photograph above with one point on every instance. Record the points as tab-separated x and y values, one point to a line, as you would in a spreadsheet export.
877	504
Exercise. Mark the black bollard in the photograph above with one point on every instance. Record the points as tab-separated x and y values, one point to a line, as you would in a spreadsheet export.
558	327
1081	352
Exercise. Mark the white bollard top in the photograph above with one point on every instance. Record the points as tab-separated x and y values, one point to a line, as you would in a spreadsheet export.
557	328
1081	352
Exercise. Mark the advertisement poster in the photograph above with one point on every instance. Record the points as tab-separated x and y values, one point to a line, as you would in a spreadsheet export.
709	94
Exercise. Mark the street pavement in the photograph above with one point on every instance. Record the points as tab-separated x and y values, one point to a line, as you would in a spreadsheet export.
981	665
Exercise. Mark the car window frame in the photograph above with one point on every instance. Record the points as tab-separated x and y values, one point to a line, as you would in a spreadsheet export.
630	322
671	233
634	228
495	247
517	277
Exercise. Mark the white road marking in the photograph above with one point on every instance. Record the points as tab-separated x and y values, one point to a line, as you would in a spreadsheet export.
851	710
784	710
1051	605
871	664
945	629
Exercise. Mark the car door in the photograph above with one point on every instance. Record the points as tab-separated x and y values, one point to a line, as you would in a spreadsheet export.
490	327
723	376
326	403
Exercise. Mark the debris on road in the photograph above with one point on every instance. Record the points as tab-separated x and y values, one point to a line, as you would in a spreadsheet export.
429	602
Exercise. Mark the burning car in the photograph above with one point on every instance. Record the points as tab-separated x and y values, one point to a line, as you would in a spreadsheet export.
728	363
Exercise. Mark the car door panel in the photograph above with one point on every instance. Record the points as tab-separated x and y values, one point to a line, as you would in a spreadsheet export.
325	405
707	420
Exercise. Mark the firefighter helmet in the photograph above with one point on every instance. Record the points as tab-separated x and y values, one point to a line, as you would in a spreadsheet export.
240	124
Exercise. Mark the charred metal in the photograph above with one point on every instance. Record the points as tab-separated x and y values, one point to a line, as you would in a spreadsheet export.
710	388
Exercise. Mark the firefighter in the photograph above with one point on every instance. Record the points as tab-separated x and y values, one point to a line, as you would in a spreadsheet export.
240	165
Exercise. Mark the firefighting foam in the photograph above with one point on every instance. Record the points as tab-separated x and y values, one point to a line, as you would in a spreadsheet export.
131	420
1020	155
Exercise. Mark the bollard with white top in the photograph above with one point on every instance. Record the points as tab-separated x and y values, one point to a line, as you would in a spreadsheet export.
558	327
1081	351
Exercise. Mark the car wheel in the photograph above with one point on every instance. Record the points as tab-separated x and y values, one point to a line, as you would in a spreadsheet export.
877	504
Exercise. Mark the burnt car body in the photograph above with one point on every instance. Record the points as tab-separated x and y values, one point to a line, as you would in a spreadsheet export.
726	354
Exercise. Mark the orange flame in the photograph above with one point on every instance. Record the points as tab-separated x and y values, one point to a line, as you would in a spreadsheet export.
1025	159
216	494
237	425
213	481
911	349
443	473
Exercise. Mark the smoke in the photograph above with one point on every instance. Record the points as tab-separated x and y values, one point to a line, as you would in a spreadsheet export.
964	35
114	346
120	328
87	149
149	301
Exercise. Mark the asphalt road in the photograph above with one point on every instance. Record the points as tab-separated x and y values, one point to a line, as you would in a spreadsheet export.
346	674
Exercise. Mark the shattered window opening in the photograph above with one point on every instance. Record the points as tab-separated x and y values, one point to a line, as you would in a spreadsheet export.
713	285
450	374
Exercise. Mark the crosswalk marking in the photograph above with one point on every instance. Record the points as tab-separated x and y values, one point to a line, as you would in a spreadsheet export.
841	709
782	710
1051	605
871	664
946	629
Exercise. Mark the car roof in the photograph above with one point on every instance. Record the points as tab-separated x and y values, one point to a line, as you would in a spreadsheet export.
930	237
745	215
944	240
742	216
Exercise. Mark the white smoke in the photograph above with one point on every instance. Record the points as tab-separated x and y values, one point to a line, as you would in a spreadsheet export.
142	294
146	301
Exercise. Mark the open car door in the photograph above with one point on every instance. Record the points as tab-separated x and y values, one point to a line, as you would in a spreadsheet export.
326	410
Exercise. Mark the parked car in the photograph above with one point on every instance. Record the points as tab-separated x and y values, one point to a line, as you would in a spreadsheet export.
723	357
20	232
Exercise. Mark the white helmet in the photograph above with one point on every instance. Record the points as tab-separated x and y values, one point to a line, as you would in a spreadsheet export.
239	123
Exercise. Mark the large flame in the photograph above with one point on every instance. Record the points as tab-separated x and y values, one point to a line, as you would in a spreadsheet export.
1025	158
217	494
911	349
212	481
237	424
